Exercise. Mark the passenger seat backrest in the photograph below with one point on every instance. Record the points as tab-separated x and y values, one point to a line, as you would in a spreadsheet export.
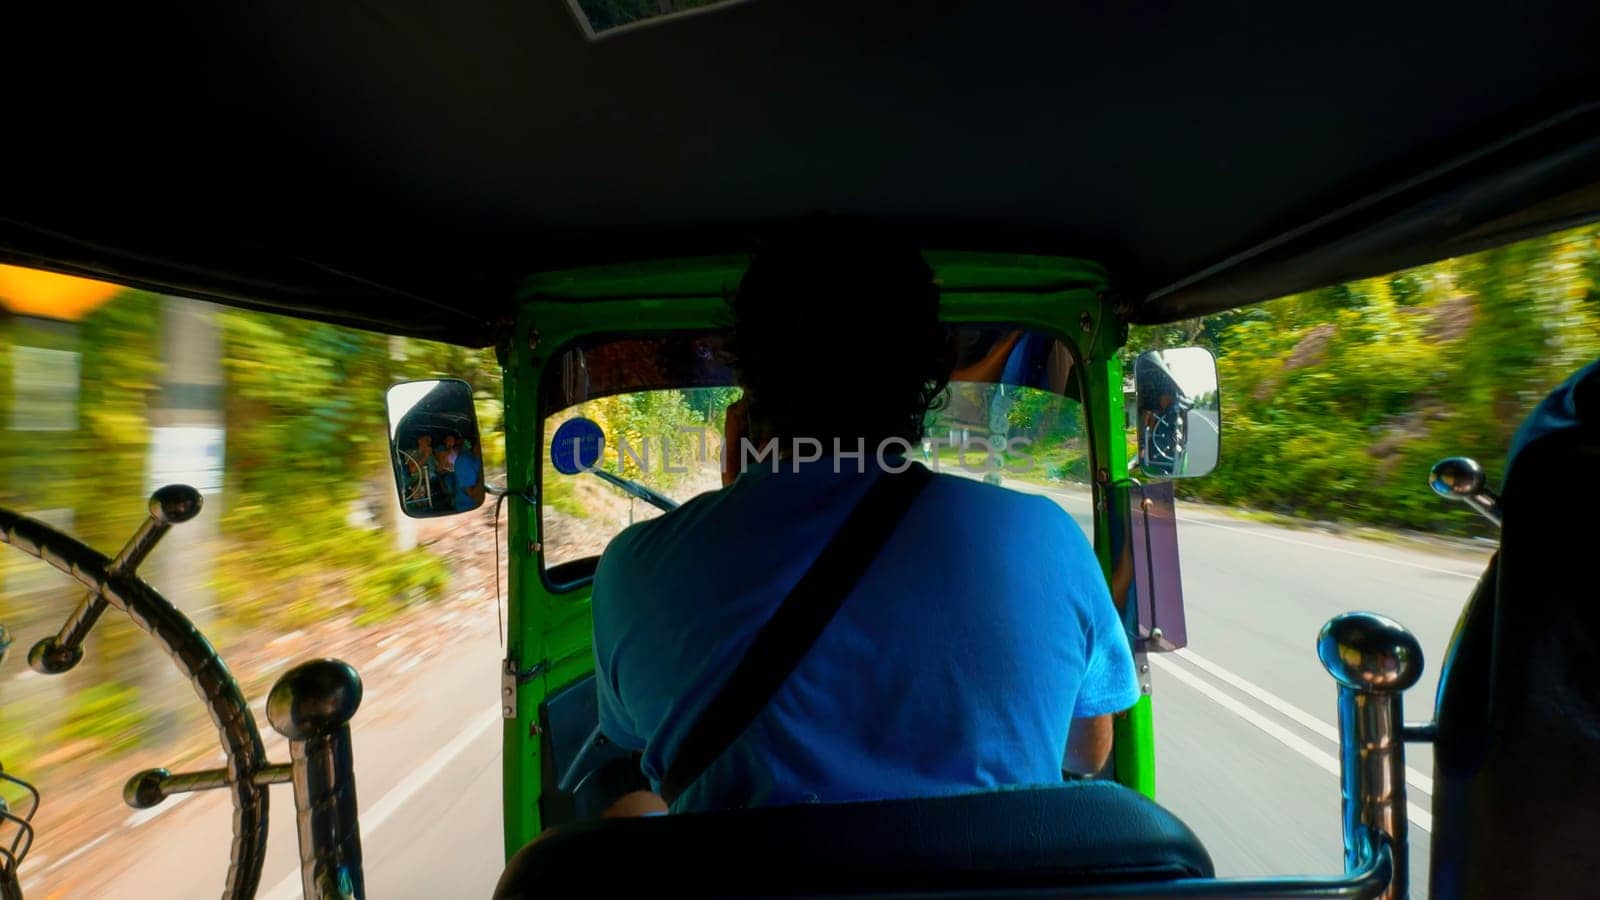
1025	842
1516	807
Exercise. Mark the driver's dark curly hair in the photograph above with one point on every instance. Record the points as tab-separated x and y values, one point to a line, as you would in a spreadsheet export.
836	334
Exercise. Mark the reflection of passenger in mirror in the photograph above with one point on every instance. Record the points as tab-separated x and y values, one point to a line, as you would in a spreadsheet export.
419	468
443	471
445	460
467	477
432	427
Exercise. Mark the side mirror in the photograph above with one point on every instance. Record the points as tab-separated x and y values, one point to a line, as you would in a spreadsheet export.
435	448
1177	412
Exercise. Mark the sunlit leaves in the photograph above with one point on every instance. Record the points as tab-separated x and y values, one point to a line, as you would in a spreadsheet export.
1336	402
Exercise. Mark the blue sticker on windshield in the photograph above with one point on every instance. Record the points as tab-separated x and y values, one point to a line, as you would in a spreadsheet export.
576	446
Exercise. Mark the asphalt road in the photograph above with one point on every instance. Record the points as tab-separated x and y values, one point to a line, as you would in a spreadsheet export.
1245	727
427	756
1246	734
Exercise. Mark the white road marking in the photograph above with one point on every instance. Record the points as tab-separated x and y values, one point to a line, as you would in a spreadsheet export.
1417	816
85	848
139	817
1413	777
382	659
373	818
1260	693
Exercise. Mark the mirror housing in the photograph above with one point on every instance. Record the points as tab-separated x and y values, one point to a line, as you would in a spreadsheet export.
1177	412
435	448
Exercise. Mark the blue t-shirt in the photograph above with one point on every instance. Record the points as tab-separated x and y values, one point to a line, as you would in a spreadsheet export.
957	663
466	475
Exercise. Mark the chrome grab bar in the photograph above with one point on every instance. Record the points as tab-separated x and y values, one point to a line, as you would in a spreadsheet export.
1374	659
1460	478
114	584
170	505
152	786
312	705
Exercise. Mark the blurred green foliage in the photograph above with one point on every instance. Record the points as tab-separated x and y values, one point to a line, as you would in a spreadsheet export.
306	521
640	427
21	738
1045	431
119	368
1337	402
107	716
307	444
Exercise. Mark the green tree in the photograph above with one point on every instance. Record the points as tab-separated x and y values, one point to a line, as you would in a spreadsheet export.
1336	402
307	444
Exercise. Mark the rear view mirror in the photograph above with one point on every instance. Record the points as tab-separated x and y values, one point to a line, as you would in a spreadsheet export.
1177	411
434	447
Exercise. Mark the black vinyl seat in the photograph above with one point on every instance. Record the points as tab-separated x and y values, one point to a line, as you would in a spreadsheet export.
991	843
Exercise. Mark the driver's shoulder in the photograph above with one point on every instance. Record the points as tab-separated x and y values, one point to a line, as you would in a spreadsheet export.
973	492
636	541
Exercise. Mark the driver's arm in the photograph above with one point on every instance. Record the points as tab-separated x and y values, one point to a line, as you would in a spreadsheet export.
993	363
635	804
1109	683
1088	745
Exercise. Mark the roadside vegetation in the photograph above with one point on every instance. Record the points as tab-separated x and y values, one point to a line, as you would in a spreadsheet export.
1337	402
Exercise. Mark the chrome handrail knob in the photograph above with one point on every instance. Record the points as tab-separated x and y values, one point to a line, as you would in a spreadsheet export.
1456	478
314	699
312	705
50	657
175	504
1370	653
146	789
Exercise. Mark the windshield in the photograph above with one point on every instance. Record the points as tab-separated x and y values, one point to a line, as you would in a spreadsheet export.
669	441
1007	418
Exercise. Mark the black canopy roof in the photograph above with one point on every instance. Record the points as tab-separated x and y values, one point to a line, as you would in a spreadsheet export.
399	165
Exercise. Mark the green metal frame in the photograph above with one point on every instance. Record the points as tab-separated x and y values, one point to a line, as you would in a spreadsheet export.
549	634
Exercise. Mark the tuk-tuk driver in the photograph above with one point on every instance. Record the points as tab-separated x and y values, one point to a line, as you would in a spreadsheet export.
981	648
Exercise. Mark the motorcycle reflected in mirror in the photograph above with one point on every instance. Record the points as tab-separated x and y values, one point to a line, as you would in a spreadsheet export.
435	447
1177	411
